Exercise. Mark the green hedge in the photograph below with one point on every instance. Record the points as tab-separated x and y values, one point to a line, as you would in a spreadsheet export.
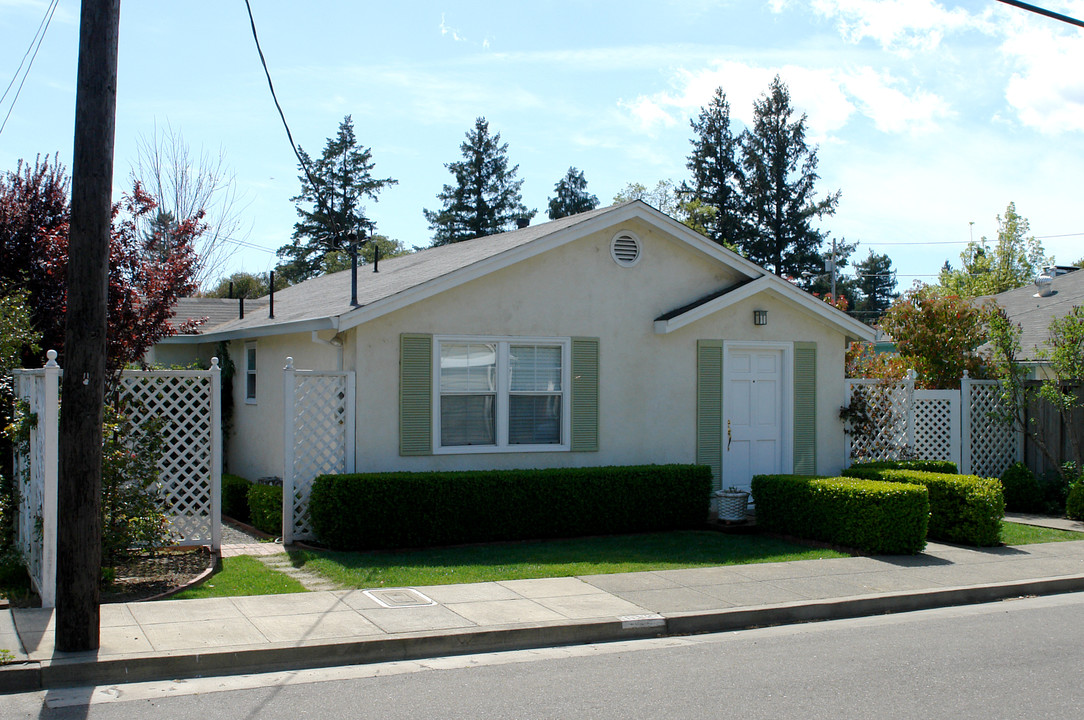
946	467
1074	505
1023	493
877	517
235	497
396	510
963	508
265	508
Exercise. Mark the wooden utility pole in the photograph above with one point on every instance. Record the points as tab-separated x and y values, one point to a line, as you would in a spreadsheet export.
79	553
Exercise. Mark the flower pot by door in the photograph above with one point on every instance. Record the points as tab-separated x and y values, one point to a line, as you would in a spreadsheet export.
732	505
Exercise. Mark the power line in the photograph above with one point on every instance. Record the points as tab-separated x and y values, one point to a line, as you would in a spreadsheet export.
39	37
1041	11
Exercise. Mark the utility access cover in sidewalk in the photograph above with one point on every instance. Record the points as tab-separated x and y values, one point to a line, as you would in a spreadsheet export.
399	598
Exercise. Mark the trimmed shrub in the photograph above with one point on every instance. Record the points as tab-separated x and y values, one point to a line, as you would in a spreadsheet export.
946	467
963	508
235	497
395	510
1022	490
1074	505
265	508
876	517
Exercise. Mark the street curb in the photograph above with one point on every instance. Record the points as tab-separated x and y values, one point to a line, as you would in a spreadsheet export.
86	669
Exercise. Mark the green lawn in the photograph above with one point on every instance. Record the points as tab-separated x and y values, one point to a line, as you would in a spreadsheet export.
552	558
242	575
1018	534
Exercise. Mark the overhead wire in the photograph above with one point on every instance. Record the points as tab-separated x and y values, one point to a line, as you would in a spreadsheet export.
39	37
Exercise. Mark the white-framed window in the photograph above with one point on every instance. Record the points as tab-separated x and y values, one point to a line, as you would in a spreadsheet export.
250	372
500	394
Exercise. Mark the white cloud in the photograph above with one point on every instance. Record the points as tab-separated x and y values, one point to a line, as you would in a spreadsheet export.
829	97
902	26
1045	89
445	29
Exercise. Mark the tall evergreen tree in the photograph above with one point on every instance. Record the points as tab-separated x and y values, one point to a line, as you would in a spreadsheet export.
330	203
485	199
571	196
877	284
780	171
717	174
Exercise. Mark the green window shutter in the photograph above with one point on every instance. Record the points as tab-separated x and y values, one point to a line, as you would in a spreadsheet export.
415	394
709	407
805	408
584	395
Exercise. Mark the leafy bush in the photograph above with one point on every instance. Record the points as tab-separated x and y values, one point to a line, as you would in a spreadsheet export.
877	517
396	510
1074	505
963	508
133	510
1022	490
265	508
938	466
235	497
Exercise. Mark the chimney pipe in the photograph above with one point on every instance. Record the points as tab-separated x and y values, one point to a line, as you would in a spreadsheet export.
376	257
241	303
271	310
231	289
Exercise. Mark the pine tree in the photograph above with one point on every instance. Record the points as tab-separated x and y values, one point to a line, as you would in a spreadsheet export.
717	175
571	196
877	284
485	199
329	204
780	170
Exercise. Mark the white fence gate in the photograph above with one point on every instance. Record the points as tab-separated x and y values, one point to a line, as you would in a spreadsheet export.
957	425
318	425
190	469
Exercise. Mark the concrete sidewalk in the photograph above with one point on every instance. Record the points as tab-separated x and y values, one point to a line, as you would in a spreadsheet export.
187	638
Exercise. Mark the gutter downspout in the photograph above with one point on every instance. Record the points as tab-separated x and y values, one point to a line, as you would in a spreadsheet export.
335	342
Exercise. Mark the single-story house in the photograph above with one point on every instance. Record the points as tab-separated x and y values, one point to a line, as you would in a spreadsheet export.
1033	307
616	336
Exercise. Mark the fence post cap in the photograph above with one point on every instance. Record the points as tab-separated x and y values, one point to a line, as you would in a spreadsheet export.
51	355
214	364
289	363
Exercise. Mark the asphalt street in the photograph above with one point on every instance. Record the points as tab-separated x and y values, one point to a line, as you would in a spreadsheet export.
1011	659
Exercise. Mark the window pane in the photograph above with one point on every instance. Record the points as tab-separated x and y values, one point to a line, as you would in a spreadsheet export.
535	368
467	420
534	419
468	367
250	385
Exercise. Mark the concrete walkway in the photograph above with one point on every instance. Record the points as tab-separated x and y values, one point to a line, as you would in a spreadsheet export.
187	638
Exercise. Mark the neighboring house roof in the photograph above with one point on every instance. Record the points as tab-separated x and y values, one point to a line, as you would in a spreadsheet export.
213	311
1033	313
323	303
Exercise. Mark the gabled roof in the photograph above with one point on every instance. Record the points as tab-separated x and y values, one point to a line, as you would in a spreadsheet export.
323	303
1033	313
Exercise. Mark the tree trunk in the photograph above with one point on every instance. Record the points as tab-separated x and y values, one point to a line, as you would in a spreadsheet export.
79	494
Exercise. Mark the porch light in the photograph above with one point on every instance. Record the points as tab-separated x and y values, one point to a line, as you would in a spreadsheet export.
760	317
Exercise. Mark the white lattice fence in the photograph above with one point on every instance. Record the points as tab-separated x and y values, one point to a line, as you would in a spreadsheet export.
187	404
190	469
886	435
318	439
993	444
959	425
36	474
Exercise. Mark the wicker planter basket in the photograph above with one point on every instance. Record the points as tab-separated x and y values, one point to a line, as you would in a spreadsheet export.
732	505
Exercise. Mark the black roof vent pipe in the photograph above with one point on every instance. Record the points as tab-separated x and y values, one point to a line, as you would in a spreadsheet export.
271	311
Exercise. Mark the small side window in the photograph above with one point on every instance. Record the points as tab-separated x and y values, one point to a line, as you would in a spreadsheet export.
250	373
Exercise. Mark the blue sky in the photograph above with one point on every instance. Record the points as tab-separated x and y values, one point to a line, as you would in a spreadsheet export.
928	115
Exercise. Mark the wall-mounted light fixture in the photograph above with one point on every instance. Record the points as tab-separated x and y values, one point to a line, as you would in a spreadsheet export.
760	317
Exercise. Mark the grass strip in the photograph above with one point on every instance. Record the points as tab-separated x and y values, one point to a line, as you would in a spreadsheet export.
242	575
1020	534
552	558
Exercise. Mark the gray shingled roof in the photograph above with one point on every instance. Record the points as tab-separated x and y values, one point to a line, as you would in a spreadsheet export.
214	311
1033	314
328	296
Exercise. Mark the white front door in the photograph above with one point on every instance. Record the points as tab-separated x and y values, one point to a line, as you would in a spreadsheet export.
754	403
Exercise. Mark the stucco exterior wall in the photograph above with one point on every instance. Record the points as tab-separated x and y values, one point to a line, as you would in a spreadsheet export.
647	405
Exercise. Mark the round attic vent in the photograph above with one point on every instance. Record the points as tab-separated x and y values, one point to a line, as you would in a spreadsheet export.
625	249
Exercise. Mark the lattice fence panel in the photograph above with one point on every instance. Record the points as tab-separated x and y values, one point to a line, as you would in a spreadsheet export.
320	437
934	429
184	403
885	436
29	469
994	443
